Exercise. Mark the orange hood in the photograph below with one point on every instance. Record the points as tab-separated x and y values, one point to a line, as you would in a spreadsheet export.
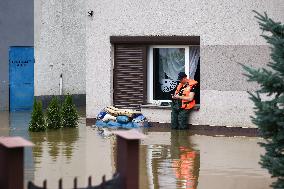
191	82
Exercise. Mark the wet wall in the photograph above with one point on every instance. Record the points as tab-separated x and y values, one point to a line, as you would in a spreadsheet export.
16	29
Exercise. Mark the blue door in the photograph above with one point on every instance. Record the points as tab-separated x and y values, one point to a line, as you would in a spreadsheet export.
21	76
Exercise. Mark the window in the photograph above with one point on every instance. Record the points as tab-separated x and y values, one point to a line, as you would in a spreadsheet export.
164	64
134	73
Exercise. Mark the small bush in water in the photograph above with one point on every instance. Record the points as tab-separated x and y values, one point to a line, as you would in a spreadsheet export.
37	122
69	114
53	120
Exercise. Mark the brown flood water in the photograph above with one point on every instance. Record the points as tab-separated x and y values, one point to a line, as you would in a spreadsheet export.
168	159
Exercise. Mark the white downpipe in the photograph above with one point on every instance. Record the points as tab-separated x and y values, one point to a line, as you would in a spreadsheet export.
60	85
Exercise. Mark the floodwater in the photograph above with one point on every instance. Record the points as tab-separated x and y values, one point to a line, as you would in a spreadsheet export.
168	159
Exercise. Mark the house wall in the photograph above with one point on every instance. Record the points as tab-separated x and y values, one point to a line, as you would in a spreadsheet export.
229	35
16	29
60	46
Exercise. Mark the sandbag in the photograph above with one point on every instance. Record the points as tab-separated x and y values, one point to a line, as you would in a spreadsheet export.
139	118
128	125
122	119
116	112
100	123
109	117
101	115
113	124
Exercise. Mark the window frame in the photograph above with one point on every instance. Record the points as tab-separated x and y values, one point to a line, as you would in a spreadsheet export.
150	69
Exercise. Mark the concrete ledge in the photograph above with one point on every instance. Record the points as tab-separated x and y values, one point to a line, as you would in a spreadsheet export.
153	106
200	129
90	121
211	130
78	99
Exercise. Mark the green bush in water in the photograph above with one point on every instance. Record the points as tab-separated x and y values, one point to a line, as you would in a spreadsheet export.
53	120
37	122
69	114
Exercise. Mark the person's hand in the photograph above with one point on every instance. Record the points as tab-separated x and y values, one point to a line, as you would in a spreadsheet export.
175	96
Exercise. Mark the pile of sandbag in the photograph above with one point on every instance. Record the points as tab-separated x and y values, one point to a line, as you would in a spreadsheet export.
121	118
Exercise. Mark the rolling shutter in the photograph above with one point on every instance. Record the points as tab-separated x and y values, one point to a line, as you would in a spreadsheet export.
130	79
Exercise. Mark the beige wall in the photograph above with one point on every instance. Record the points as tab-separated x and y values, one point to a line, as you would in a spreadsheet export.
229	35
60	46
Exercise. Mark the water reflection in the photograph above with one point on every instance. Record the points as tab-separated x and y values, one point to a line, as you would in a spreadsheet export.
69	138
37	138
18	126
59	154
185	160
4	125
58	142
168	159
171	164
19	123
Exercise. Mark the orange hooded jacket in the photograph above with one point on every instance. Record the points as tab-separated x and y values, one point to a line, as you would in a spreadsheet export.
185	103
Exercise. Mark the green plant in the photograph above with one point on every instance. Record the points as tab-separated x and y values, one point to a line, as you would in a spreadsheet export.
37	122
69	114
269	111
53	120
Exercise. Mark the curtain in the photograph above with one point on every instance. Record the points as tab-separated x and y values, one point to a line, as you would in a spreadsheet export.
194	54
171	62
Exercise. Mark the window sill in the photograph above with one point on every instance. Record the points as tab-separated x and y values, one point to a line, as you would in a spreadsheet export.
154	106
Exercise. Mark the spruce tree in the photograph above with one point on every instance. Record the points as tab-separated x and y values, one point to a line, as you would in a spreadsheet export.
69	114
37	122
269	100
53	120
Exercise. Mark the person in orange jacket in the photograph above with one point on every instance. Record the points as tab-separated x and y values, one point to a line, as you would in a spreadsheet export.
182	101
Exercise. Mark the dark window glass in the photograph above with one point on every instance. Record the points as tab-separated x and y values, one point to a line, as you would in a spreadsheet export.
168	62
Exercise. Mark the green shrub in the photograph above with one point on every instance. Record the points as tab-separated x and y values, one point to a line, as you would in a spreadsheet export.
269	112
53	120
37	122
69	114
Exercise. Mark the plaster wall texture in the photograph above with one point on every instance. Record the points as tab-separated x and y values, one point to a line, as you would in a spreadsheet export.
217	108
220	67
229	35
16	29
60	46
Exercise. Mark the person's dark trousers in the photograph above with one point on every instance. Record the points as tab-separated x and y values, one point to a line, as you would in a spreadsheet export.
179	116
174	115
174	118
183	119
